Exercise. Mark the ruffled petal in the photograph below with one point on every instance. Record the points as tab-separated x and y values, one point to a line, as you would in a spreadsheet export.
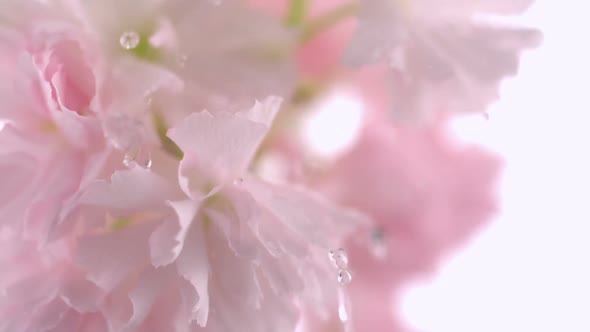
80	294
167	241
457	67
193	265
145	293
219	147
305	213
250	49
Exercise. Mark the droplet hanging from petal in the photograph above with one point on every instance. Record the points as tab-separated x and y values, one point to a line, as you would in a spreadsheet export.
344	277
339	258
138	156
128	135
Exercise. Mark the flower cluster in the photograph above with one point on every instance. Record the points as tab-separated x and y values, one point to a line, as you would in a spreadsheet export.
157	172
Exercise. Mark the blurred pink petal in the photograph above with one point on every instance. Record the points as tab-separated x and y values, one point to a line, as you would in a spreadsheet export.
426	195
443	59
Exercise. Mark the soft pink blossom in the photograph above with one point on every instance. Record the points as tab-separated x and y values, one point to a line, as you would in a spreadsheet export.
425	194
444	56
52	143
128	201
226	55
220	249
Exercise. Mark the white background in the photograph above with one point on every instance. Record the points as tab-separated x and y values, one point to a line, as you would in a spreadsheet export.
529	270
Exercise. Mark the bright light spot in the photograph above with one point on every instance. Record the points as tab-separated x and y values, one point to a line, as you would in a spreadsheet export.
272	167
333	125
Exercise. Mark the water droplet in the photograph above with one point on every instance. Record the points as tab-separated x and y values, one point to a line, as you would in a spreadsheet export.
377	243
147	163
486	115
239	181
138	156
339	258
129	161
344	277
216	2
129	40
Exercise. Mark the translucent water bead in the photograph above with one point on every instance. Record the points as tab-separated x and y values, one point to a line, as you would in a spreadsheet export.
344	277
128	134
129	40
339	258
138	156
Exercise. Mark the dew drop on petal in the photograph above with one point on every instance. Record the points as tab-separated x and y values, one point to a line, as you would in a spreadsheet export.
339	258
486	115
137	156
216	2
129	160
239	181
344	277
129	40
147	162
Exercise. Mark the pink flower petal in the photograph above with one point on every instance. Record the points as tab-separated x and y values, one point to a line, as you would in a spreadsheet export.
129	190
167	241
225	143
111	257
308	214
193	265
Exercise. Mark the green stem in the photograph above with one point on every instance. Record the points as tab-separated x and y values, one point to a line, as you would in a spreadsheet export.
167	144
296	13
319	24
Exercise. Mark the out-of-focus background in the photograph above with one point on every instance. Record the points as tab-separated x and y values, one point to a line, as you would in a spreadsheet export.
530	269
